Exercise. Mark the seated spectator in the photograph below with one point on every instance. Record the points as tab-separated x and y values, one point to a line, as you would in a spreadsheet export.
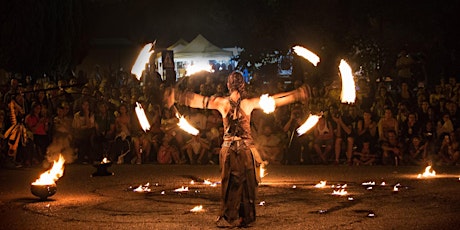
367	129
416	152
444	125
269	145
84	130
449	152
168	153
323	139
386	124
409	129
392	150
196	149
364	156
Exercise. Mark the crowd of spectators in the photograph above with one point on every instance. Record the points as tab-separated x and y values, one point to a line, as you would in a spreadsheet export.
91	116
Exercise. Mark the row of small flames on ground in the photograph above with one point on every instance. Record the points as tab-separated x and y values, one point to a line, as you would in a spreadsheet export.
48	180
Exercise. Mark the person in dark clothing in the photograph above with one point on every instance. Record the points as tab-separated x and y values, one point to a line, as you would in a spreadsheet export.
238	157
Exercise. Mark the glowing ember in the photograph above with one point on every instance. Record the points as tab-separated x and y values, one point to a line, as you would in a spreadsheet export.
181	189
308	124
207	182
187	127
321	184
294	186
348	84
142	59
51	176
262	203
198	208
429	172
383	183
267	103
145	124
307	54
192	182
143	188
340	192
192	69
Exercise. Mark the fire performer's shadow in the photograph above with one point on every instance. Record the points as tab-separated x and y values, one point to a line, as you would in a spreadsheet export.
194	178
31	200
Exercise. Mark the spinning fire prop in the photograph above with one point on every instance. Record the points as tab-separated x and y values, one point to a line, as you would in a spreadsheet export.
267	103
308	124
348	94
142	59
307	54
45	186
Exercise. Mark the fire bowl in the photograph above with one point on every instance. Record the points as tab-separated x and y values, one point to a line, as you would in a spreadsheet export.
101	169
43	191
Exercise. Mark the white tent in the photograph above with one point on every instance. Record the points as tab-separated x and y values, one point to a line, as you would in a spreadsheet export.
198	51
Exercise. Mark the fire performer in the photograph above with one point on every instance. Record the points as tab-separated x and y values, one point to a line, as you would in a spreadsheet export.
239	159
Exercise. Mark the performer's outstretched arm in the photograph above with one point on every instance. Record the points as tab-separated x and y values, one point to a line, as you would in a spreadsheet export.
190	99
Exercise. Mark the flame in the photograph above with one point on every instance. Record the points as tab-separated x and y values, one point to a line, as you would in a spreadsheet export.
192	69
184	125
267	103
105	161
429	172
308	124
396	187
51	176
307	54
348	84
143	188
198	208
321	184
181	189
340	192
145	124
142	59
371	183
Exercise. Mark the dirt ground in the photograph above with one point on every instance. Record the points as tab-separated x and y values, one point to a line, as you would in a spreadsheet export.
287	198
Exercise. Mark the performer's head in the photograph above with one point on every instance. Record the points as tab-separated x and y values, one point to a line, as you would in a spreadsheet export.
236	82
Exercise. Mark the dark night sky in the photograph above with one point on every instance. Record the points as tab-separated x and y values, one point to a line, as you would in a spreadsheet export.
51	34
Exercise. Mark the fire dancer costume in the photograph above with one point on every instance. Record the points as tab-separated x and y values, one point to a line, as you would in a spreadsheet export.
239	159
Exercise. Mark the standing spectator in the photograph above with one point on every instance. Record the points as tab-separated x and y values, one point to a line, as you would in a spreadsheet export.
37	123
